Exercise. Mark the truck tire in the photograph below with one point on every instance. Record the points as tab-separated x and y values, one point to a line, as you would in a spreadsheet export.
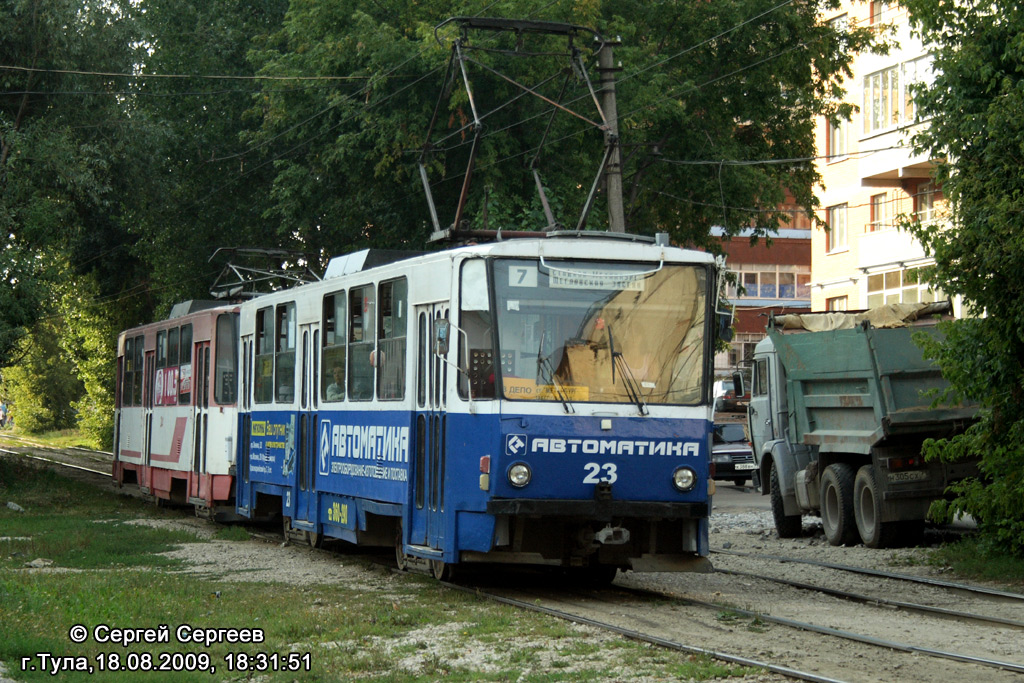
788	526
837	518
867	509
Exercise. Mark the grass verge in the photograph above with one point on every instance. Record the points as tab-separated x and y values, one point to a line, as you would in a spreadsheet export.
973	558
106	572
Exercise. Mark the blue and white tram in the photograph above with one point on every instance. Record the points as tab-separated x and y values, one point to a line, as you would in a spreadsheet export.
534	401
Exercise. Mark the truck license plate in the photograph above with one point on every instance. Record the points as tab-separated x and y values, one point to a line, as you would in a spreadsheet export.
745	466
911	475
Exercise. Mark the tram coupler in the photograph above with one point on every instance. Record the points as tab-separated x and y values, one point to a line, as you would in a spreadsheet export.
612	536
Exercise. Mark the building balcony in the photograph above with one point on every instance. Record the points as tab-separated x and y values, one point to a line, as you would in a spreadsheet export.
886	248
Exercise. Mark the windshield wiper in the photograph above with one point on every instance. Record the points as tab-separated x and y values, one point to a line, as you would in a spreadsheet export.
628	379
547	373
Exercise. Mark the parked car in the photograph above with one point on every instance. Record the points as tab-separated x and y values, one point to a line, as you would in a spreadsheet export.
731	453
726	399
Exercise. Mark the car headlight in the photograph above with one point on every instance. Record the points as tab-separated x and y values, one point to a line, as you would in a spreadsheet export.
519	474
684	479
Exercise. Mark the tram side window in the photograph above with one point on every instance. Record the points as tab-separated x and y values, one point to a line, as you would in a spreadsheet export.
137	381
170	395
394	321
185	369
361	338
264	373
161	350
332	367
161	366
225	387
475	320
284	357
128	368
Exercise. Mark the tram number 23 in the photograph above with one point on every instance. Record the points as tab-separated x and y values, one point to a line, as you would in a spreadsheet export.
597	473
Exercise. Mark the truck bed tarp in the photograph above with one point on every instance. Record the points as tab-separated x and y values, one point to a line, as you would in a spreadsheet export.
890	315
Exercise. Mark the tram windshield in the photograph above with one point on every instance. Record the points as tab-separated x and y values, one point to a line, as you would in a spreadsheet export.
600	332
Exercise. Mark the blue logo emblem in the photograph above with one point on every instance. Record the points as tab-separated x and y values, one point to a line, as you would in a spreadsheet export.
325	447
515	444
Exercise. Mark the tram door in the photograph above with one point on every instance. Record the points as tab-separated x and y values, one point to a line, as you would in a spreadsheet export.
428	466
147	403
306	496
201	390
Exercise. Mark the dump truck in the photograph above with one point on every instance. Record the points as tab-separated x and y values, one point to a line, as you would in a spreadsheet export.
840	406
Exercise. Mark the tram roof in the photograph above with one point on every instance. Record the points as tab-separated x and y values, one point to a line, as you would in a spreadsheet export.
597	246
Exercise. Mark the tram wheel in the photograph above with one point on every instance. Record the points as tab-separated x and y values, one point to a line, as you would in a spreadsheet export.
596	576
315	540
286	528
401	559
441	570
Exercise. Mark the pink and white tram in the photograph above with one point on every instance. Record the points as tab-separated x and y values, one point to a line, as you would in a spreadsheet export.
176	412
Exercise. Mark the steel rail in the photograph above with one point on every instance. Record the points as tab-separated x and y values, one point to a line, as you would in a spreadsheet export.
839	633
867	599
983	590
55	462
645	637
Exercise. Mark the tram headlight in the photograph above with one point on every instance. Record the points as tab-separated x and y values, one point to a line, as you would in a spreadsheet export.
684	479
519	475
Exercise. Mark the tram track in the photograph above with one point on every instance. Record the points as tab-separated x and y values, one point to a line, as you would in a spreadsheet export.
793	653
682	621
653	639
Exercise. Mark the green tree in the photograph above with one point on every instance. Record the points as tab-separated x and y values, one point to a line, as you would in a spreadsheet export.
67	152
42	386
726	90
974	125
198	194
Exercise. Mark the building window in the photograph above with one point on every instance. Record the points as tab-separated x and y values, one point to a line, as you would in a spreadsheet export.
742	347
796	218
879	8
889	94
837	235
881	99
838	134
837	303
900	287
924	202
916	72
764	281
879	213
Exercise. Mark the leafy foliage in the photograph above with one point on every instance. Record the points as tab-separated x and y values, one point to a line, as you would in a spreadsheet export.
974	108
137	138
708	84
43	385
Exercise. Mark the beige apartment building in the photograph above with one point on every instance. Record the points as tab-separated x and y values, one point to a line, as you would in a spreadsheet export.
870	177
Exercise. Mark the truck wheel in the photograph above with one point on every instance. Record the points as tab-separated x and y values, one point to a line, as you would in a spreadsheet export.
867	509
837	504
788	526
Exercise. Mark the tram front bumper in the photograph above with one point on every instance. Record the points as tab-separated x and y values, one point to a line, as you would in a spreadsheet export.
598	510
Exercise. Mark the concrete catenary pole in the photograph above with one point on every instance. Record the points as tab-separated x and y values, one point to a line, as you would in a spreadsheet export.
613	172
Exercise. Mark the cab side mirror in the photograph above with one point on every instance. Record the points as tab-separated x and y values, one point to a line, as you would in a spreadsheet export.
442	332
737	384
725	331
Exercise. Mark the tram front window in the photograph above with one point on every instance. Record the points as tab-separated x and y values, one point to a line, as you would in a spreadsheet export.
601	332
